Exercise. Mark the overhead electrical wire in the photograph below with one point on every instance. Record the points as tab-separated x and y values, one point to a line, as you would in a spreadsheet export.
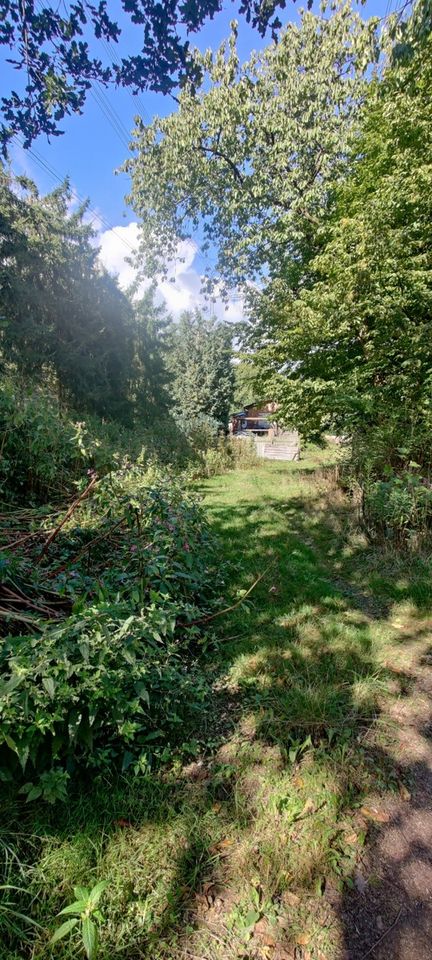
62	179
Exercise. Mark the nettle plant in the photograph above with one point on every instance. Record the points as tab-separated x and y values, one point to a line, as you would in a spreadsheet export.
84	917
113	682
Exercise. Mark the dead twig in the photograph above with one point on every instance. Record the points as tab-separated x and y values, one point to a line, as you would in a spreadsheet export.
9	615
220	613
17	543
69	563
386	932
69	513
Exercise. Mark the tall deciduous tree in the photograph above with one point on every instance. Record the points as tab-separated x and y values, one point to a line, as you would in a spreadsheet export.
353	349
201	367
54	48
254	156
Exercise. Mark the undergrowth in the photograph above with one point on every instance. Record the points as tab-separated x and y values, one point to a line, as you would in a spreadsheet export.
103	615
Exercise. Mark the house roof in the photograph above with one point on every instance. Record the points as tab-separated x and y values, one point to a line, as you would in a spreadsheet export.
255	403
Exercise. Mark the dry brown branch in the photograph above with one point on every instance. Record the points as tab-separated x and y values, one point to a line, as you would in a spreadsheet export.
220	613
67	516
386	932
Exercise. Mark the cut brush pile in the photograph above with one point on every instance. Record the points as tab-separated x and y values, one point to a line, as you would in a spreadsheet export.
101	606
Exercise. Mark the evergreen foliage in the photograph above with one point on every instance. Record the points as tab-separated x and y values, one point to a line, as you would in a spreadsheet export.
201	365
64	320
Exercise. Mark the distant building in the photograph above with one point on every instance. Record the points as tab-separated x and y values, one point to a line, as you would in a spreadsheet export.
257	422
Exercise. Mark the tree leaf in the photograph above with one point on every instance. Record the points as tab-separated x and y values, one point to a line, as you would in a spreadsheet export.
378	816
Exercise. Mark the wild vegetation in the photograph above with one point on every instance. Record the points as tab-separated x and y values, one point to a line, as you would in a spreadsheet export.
214	671
283	762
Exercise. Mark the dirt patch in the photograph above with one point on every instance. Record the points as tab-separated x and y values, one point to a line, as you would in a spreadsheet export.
388	916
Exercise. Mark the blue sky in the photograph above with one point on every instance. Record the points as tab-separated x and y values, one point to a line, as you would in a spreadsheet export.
93	146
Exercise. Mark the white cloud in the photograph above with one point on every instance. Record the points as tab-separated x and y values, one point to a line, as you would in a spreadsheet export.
116	246
180	289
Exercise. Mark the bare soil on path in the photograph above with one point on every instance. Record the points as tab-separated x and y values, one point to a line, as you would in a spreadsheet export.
390	917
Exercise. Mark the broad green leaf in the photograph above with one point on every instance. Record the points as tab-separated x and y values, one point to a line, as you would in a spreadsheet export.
64	929
96	892
49	685
90	937
251	918
77	907
81	893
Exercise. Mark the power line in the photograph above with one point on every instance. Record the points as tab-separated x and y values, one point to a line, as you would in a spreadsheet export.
56	176
102	101
111	115
136	97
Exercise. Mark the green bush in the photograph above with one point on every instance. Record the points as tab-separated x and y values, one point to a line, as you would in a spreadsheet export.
39	450
399	507
113	681
244	453
44	450
229	453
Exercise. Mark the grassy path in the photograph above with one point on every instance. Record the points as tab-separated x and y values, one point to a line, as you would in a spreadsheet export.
283	837
331	692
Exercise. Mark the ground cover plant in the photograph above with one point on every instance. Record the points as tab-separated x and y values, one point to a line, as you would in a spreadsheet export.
257	843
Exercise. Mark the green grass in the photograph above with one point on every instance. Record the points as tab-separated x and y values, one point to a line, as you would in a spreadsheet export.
290	744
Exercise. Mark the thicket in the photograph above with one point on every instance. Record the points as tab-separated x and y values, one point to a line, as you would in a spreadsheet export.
109	573
103	608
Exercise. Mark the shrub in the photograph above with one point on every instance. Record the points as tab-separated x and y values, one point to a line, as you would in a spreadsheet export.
44	450
39	450
114	680
399	507
229	453
244	453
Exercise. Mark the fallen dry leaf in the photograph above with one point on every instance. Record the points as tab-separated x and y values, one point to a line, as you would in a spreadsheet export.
262	930
290	899
208	886
351	839
378	816
360	881
404	792
308	808
222	846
